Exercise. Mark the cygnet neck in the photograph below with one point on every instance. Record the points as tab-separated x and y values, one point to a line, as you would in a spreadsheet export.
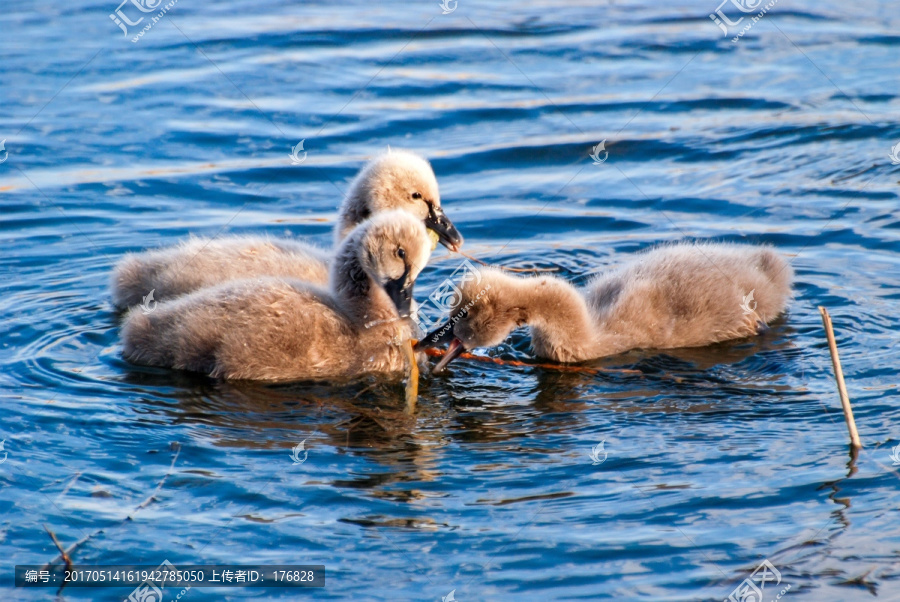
359	295
354	211
561	323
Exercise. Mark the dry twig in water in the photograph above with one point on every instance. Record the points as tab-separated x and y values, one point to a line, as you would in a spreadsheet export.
839	376
62	551
152	497
412	378
65	554
557	367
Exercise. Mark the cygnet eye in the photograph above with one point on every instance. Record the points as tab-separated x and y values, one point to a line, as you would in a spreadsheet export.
401	253
417	195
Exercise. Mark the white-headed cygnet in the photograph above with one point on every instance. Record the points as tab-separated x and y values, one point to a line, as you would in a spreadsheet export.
394	180
681	295
273	328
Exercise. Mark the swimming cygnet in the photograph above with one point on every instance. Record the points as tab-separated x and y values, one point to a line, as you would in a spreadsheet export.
394	180
285	329
681	295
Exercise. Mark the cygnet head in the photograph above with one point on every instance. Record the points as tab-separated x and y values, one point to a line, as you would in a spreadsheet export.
389	249
488	308
398	180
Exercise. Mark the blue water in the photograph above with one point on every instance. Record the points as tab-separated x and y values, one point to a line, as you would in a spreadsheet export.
718	457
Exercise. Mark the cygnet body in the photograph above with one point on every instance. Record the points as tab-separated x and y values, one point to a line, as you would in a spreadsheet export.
394	180
285	329
682	295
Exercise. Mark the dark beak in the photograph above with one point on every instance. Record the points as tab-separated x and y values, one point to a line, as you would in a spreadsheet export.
453	351
439	337
446	231
400	292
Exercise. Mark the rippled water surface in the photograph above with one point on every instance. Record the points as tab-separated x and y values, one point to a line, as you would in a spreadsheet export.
718	457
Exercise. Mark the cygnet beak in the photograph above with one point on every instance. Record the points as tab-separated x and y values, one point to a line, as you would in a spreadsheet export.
447	233
437	338
455	350
400	292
